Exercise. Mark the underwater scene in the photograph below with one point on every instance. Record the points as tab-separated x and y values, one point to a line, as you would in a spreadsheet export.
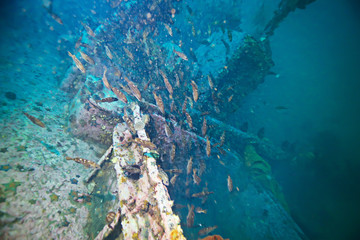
179	119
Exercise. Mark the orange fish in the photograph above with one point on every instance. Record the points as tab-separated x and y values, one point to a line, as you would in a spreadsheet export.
77	62
133	88
189	120
201	194
168	28
229	183
174	170
110	217
52	14
143	143
126	89
208	147
34	120
206	230
190	217
189	166
173	179
204	127
119	94
210	82
167	83
87	58
181	55
56	18
184	105
196	178
108	100
85	162
129	122
105	81
159	102
222	138
213	237
195	91
200	210
88	29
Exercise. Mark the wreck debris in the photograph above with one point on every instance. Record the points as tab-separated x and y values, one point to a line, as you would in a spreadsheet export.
144	201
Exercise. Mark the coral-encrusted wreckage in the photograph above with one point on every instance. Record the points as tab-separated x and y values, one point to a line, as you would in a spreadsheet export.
145	207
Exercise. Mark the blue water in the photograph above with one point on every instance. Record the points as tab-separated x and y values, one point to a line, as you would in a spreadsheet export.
301	115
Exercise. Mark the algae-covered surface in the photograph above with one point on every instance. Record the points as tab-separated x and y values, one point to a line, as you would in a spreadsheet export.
36	180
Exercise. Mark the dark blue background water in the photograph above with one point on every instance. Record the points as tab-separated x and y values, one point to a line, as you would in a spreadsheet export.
317	57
